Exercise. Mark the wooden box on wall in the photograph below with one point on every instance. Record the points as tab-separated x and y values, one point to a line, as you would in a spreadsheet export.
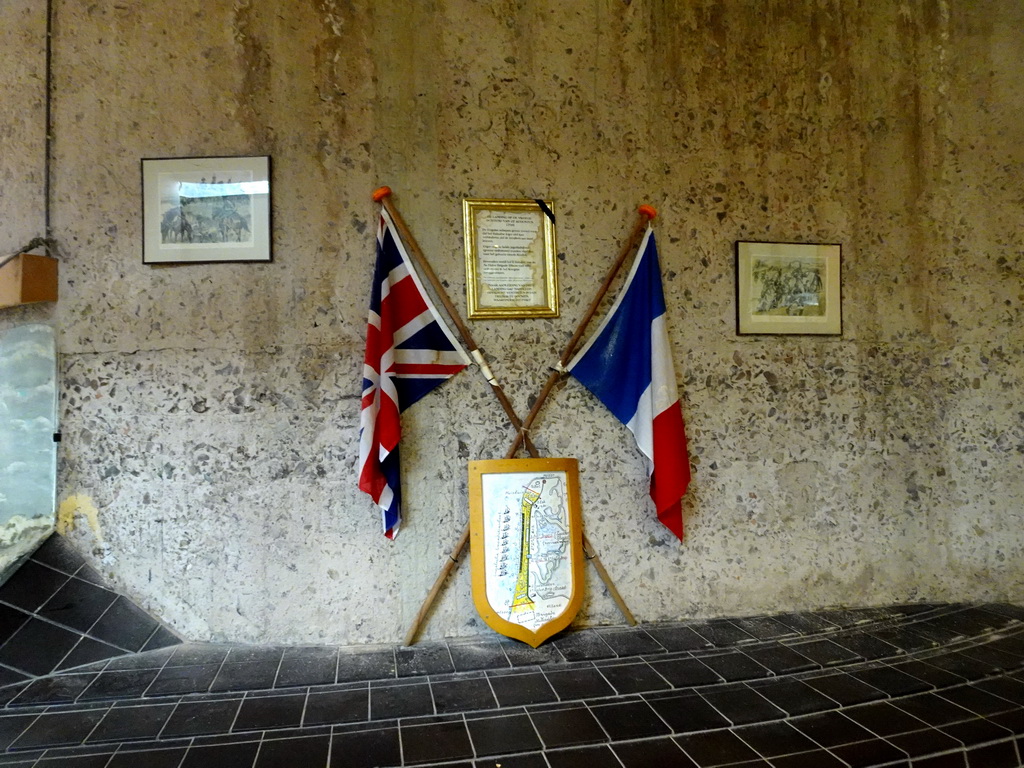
28	278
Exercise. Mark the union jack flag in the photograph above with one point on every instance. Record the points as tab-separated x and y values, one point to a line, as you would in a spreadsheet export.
409	352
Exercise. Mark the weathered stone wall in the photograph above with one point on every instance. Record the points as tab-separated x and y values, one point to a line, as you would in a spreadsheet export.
210	412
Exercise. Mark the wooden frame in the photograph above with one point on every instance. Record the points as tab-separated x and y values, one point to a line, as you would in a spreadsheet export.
788	288
511	261
205	209
526	540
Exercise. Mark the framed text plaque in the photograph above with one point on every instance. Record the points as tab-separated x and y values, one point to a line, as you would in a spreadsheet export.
510	258
526	539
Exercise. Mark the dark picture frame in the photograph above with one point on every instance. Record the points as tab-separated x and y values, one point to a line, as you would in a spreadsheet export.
204	210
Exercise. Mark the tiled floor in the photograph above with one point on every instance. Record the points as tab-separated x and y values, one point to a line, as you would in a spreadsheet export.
929	686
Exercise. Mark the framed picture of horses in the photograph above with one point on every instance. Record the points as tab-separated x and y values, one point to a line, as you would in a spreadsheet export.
788	288
205	209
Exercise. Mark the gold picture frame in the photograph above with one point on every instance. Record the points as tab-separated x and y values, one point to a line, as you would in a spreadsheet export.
511	265
788	288
526	543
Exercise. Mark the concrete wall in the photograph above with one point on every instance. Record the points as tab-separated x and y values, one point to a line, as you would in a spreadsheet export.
210	412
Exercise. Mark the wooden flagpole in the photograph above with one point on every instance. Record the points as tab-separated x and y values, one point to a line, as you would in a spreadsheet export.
382	195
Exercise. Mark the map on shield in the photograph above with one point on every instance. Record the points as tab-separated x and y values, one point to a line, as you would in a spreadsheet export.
527	544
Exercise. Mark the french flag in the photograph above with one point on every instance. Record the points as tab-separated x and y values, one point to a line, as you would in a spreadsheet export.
627	364
409	352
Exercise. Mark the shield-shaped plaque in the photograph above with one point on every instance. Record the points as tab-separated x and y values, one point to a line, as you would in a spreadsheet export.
527	545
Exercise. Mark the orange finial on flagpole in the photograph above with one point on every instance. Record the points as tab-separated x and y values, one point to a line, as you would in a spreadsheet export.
645	210
381	192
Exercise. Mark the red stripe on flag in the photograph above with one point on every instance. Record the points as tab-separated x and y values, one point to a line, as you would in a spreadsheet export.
426	369
403	303
671	474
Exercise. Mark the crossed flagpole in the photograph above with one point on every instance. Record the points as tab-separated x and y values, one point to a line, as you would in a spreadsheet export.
522	437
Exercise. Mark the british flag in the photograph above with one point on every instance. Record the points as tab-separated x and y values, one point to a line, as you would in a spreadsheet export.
409	352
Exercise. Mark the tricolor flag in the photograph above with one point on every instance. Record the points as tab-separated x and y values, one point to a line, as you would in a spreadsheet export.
409	351
627	364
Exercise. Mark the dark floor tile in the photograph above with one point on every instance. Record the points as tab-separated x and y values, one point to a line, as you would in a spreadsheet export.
652	753
971	733
819	758
976	700
31	586
400	701
521	655
517	690
289	753
77	604
236	755
927	673
579	684
684	673
781	659
529	760
462	695
890	681
866	754
794	697
9	678
845	618
775	739
260	713
996	659
192	718
1012	720
190	679
716	748
505	734
844	689
148	660
824	652
371	665
937	634
56	689
566	727
1002	755
804	623
308	669
583	646
867	646
161	638
132	723
688	713
151	758
883	719
633	678
245	675
583	757
81	757
969	622
198	654
764	627
961	664
426	660
904	638
734	667
59	729
57	552
124	625
12	726
366	748
482	654
952	760
924	742
743	705
933	709
88	651
632	642
627	720
1004	687
251	654
679	638
330	707
435	742
832	729
11	620
38	647
118	684
721	632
